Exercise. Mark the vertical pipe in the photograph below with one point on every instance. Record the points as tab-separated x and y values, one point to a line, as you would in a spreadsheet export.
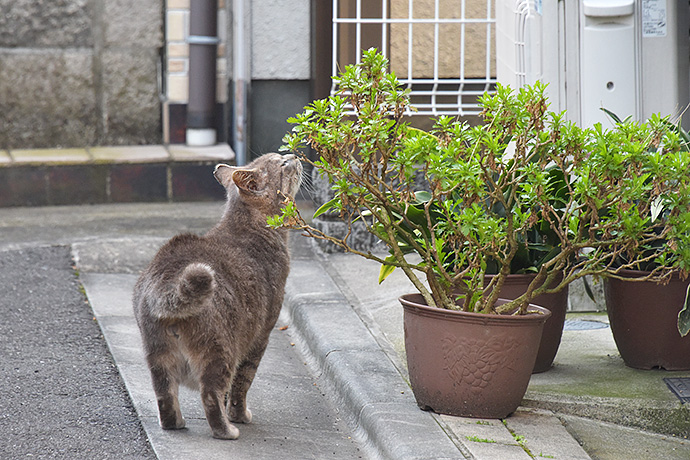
410	15
334	55
242	77
358	33
203	45
384	28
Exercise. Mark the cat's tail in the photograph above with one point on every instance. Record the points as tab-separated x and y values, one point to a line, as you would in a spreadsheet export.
194	288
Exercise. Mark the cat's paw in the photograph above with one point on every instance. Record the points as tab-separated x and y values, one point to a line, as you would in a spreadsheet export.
229	431
245	417
172	423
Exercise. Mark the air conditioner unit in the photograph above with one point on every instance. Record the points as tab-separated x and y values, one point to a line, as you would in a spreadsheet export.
631	57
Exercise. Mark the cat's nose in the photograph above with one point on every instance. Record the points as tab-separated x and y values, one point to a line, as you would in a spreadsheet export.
290	160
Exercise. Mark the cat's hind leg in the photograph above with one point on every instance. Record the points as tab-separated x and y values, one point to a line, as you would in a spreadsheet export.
166	388
215	382
237	403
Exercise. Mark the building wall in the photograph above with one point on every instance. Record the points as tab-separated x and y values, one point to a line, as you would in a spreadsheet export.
281	69
79	72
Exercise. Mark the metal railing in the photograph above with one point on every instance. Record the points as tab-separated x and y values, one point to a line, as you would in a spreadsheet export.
459	34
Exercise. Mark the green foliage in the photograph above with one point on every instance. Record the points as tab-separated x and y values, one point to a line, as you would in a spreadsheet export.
527	191
478	439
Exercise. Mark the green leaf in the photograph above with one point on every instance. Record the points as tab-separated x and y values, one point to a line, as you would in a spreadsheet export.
386	269
274	221
684	316
588	289
325	207
611	114
422	196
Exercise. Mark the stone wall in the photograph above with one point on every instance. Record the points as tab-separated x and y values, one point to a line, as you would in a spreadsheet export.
76	73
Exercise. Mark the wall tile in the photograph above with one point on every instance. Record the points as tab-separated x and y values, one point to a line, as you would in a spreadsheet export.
178	88
178	50
176	24
177	65
31	23
47	99
195	183
23	186
131	96
138	182
135	23
178	4
80	184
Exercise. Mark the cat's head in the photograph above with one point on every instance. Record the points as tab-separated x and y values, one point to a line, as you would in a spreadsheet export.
264	182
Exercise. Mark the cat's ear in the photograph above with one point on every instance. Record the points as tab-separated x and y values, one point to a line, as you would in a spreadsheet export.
244	179
223	174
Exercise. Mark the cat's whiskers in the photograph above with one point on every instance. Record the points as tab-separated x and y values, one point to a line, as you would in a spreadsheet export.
307	189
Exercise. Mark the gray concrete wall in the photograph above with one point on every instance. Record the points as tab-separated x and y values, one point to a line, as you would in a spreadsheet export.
281	69
79	72
281	40
272	103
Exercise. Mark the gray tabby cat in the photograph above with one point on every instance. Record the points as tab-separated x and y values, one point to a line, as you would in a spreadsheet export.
206	305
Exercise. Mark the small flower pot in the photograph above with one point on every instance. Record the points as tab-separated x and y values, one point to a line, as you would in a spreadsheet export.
513	287
470	364
644	322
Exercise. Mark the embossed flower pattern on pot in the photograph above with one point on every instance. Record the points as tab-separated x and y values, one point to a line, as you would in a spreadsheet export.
476	361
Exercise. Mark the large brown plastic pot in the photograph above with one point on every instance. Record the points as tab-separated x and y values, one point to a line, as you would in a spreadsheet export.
513	287
470	364
643	317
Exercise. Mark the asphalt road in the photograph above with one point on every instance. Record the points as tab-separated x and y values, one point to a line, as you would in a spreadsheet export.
49	407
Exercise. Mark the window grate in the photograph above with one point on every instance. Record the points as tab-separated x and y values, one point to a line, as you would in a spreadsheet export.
442	50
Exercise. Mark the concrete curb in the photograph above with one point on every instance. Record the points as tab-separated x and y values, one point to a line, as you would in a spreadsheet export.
375	399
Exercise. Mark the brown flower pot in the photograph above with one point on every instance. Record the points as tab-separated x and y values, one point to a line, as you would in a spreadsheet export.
643	317
516	285
469	364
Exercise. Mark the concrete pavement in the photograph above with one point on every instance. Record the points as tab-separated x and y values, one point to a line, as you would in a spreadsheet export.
293	419
341	391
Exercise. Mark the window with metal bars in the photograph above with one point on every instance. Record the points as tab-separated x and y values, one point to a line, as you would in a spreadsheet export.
442	50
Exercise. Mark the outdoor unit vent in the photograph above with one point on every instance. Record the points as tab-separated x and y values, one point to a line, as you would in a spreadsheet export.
629	56
518	50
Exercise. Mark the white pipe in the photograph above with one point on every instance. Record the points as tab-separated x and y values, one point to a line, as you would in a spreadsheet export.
201	137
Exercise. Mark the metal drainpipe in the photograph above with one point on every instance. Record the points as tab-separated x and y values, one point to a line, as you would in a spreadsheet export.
242	77
203	45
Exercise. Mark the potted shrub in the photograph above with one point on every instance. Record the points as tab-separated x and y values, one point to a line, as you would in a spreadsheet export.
541	245
487	190
645	340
